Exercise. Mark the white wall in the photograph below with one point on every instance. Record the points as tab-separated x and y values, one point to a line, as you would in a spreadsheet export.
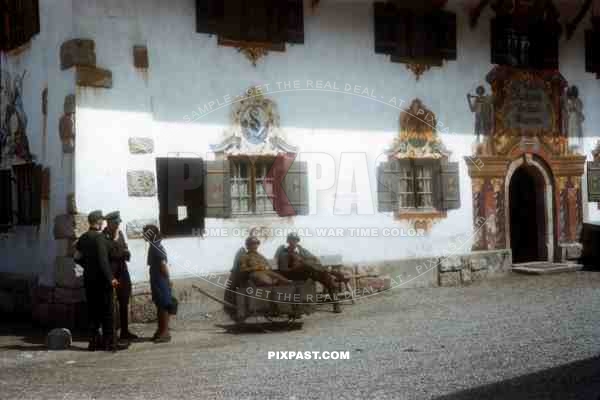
32	250
188	70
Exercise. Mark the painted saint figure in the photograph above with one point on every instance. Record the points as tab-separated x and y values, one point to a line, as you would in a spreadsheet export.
575	118
483	107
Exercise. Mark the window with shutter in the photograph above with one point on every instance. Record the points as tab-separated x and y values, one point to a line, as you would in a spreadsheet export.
412	36
28	179
524	45
181	200
6	200
257	23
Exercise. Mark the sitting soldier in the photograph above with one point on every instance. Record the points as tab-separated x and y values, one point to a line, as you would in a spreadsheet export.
297	263
257	266
249	265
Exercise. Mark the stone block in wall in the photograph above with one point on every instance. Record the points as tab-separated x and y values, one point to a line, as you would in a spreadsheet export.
94	77
141	184
65	273
68	226
451	278
368	270
69	105
466	275
134	227
448	264
480	275
374	284
77	52
479	264
71	204
141	145
66	132
140	57
570	251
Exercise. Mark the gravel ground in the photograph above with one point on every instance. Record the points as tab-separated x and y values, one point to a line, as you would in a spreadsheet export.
519	337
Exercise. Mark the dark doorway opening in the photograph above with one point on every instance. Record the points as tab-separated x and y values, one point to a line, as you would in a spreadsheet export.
528	225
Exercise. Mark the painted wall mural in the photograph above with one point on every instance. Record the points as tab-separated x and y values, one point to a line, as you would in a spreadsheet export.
14	144
537	118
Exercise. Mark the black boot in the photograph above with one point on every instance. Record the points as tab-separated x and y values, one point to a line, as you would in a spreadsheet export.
114	346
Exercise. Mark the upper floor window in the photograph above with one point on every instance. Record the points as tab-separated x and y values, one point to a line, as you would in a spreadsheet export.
264	23
524	43
20	22
412	35
21	196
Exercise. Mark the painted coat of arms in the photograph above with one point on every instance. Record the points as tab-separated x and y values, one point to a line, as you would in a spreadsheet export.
254	127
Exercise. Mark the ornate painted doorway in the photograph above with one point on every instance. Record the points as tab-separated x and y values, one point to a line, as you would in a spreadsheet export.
528	223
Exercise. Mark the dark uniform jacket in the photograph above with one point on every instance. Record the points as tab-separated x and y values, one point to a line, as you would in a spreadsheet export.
93	250
118	254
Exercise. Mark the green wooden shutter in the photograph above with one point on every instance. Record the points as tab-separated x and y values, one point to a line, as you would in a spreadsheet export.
593	181
388	179
218	189
293	196
6	199
450	185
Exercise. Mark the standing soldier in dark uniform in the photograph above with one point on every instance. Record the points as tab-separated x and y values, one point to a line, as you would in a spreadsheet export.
99	282
119	255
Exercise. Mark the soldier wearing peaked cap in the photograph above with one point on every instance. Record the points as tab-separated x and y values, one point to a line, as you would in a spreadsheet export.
119	255
92	249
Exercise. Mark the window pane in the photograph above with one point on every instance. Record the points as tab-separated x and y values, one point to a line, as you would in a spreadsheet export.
406	195
240	203
424	189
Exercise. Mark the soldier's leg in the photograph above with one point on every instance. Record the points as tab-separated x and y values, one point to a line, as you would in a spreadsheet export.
93	320
107	307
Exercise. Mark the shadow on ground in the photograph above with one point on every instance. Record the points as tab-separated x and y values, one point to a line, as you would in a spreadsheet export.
577	380
260	327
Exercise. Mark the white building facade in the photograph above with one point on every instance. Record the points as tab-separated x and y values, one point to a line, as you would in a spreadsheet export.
132	88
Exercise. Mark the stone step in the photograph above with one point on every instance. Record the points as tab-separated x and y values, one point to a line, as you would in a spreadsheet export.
544	268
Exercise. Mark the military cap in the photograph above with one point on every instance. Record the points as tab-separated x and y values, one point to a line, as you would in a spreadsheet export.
114	216
95	216
293	236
